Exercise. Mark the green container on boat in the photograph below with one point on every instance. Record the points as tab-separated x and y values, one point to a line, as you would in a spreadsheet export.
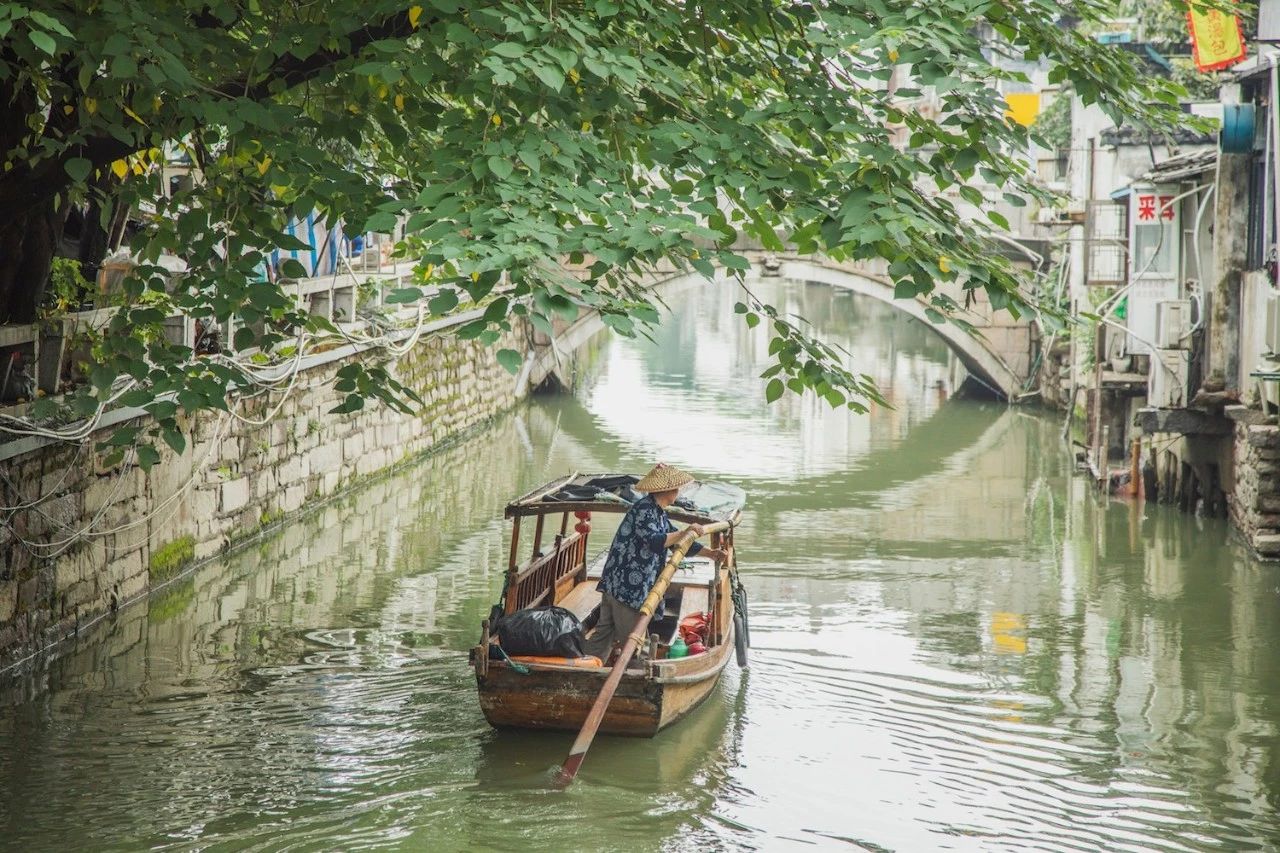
678	648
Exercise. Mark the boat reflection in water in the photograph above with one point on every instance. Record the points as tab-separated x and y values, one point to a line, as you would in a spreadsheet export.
675	759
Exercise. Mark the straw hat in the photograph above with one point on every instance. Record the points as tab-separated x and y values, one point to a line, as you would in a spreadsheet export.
663	478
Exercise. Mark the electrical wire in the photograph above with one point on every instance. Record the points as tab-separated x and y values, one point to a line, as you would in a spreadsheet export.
1109	303
257	375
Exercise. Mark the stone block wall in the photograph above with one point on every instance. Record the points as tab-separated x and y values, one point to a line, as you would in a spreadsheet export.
1254	501
81	539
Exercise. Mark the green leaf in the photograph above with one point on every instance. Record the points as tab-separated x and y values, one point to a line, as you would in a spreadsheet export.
444	302
48	23
496	310
102	377
542	324
124	67
43	408
753	320
352	403
965	159
403	295
136	398
511	360
123	436
44	41
500	168
551	77
147	456
244	338
78	168
175	439
509	49
381	222
292	268
773	390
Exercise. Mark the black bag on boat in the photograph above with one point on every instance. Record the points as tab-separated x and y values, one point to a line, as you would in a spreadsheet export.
547	631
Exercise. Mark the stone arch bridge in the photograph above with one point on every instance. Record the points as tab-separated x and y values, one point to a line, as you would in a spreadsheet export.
998	353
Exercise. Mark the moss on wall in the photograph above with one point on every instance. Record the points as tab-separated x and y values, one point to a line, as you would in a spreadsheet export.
170	557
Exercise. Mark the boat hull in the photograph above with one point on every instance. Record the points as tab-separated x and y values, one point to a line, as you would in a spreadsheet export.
559	698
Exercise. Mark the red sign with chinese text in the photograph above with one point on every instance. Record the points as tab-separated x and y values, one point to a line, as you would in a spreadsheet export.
1147	207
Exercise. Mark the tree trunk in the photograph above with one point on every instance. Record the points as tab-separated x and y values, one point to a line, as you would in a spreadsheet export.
28	242
94	240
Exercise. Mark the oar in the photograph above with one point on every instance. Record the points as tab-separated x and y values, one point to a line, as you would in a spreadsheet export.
580	746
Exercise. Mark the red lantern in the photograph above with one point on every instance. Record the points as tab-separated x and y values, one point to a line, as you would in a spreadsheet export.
582	515
582	527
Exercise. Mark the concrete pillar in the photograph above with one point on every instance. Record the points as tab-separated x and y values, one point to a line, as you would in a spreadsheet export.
1230	246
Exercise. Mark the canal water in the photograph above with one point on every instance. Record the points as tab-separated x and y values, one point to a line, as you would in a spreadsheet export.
955	644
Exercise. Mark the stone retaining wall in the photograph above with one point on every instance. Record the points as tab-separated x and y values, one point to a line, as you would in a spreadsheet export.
1255	499
234	478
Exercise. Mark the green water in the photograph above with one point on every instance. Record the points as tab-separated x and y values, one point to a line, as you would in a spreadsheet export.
955	645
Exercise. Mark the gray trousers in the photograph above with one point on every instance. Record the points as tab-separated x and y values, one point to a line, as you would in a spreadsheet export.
615	625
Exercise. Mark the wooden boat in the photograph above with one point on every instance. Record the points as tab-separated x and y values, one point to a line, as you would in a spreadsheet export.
655	691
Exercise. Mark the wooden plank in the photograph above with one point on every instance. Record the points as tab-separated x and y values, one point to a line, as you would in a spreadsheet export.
695	570
11	336
564	586
510	604
540	493
510	701
677	514
692	600
515	545
537	536
582	599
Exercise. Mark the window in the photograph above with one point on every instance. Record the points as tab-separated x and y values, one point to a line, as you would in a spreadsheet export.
1106	242
1154	248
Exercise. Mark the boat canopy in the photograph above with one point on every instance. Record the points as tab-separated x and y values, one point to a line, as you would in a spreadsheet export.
699	501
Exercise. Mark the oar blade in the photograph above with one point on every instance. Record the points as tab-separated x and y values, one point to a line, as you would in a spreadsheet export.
569	770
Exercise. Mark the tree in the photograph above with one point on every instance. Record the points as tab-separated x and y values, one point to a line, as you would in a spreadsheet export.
619	133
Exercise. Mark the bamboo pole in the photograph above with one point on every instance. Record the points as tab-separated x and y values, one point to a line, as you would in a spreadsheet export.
596	716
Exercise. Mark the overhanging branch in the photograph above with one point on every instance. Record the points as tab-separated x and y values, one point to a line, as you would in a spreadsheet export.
25	186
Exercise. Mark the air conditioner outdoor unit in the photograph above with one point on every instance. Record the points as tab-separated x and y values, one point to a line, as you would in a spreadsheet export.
1173	322
1167	382
1272	326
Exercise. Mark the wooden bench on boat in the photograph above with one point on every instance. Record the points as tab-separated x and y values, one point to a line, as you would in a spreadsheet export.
654	694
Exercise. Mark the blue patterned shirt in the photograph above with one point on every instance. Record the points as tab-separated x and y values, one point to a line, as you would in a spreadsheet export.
638	553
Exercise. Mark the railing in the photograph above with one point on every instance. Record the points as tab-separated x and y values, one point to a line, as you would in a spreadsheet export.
39	359
535	584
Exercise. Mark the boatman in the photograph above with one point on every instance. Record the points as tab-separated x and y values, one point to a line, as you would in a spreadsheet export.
637	555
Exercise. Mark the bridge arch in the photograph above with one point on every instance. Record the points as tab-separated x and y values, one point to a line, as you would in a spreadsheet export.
1002	366
978	354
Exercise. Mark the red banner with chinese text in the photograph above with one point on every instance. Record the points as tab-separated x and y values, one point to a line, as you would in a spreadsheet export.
1216	40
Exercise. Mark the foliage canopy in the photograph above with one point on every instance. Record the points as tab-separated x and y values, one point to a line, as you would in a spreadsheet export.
514	135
